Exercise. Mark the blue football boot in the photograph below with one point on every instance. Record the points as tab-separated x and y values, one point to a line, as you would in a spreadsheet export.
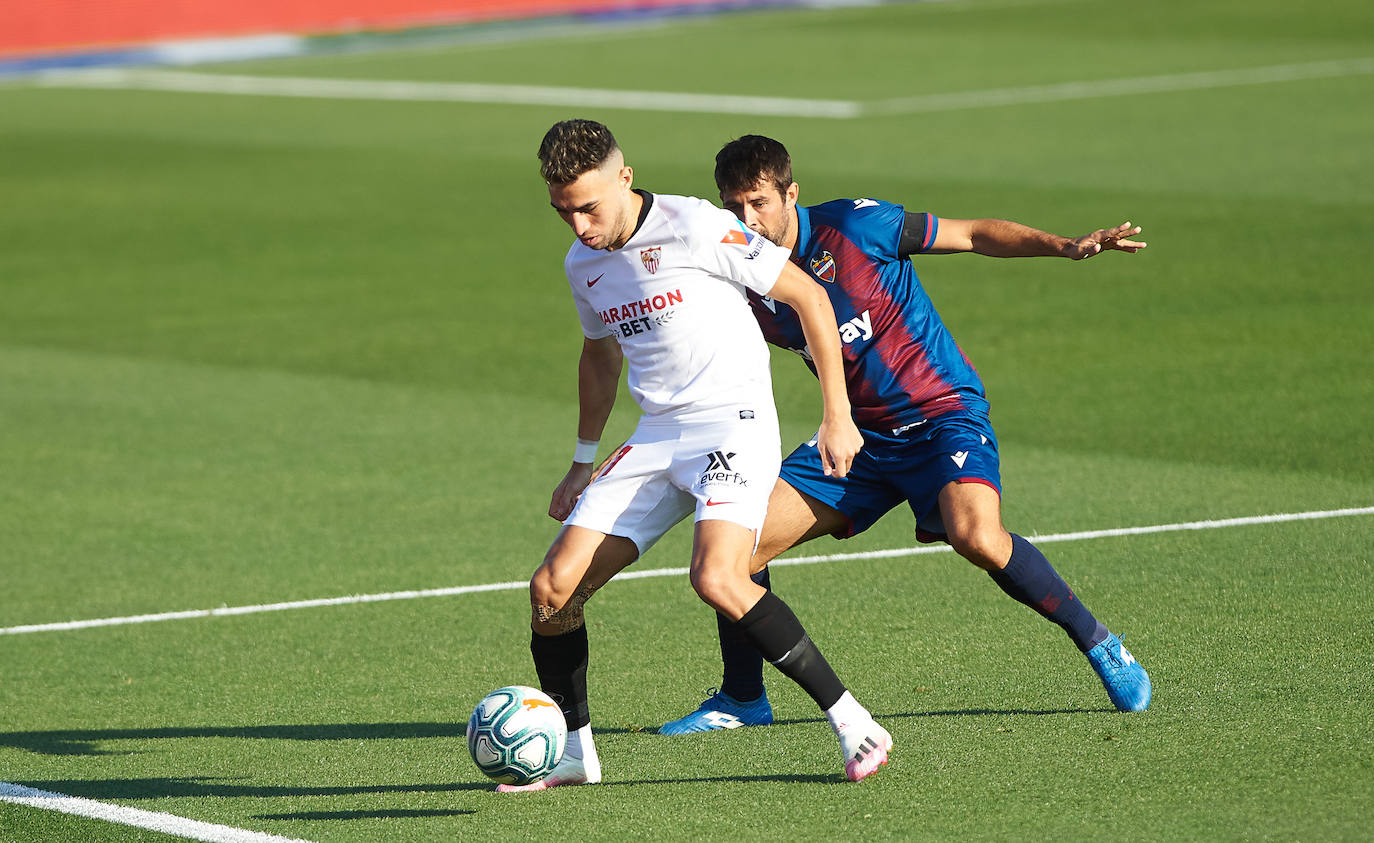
1127	683
721	711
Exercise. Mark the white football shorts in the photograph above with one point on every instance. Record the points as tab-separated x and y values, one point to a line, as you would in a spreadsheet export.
721	463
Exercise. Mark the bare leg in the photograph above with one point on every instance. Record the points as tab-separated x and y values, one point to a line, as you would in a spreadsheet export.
720	564
972	516
578	563
793	518
972	513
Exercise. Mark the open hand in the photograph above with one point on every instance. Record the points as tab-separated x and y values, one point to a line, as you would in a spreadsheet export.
1106	239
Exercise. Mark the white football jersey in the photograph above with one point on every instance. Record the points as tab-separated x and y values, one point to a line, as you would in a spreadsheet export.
674	298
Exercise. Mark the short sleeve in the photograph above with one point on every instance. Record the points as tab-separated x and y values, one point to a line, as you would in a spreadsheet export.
874	226
593	327
724	246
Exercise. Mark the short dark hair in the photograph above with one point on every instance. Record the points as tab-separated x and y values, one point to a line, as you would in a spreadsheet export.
574	147
744	162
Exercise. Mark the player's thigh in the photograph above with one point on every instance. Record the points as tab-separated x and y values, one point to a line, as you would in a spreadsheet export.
729	465
578	563
959	449
793	518
720	567
842	506
972	515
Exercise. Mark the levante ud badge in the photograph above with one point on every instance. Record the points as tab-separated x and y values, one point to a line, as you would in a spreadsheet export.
650	258
823	266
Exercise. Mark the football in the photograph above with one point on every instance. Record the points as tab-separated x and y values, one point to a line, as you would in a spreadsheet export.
516	735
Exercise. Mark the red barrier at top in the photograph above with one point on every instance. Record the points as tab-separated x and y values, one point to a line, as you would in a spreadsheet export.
55	25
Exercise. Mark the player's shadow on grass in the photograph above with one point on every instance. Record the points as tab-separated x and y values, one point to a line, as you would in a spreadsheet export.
398	814
793	778
962	712
199	788
228	788
88	741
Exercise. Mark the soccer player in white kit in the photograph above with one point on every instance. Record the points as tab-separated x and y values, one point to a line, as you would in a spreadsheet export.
659	281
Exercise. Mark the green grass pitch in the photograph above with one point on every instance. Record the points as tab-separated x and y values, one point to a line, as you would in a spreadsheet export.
259	349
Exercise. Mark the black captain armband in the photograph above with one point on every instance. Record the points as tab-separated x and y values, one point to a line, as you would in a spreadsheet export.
913	234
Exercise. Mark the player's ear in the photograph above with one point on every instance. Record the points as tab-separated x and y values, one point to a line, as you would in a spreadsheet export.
627	176
790	197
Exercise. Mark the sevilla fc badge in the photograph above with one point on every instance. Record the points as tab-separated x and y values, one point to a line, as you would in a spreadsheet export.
650	258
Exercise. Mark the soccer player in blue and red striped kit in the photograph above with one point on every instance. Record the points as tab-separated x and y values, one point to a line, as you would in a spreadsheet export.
916	398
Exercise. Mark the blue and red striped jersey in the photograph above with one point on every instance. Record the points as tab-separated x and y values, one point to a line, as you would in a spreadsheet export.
901	364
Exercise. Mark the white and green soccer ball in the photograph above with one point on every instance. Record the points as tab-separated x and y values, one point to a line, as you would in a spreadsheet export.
516	735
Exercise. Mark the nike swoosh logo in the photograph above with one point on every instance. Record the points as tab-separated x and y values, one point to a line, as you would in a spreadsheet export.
710	502
592	282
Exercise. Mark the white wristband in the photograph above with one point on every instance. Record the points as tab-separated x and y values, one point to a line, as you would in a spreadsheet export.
585	450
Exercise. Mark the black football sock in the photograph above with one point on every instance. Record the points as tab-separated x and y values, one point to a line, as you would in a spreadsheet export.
561	662
779	637
743	677
1030	579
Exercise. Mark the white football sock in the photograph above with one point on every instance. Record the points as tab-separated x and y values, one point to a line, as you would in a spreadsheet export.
580	745
846	712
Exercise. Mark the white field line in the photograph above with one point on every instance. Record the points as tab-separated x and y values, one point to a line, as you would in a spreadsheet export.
367	89
137	817
668	572
1168	83
266	607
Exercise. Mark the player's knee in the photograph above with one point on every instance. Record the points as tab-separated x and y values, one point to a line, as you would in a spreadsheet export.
987	548
546	592
712	585
554	609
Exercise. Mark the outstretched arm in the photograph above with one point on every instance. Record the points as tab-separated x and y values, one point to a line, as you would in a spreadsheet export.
1006	239
839	439
598	377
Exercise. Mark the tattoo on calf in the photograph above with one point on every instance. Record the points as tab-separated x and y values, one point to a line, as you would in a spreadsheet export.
570	617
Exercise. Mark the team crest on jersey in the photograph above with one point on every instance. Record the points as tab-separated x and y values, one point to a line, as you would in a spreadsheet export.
823	265
650	258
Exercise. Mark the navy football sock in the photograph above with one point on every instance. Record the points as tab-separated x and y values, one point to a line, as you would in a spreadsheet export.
1030	579
743	677
780	638
561	662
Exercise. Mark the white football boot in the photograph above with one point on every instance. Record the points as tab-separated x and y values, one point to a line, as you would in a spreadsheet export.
579	765
863	743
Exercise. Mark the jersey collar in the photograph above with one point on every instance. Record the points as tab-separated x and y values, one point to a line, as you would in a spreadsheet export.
643	213
803	232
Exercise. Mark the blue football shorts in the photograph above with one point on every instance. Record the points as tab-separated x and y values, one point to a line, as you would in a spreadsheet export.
911	468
